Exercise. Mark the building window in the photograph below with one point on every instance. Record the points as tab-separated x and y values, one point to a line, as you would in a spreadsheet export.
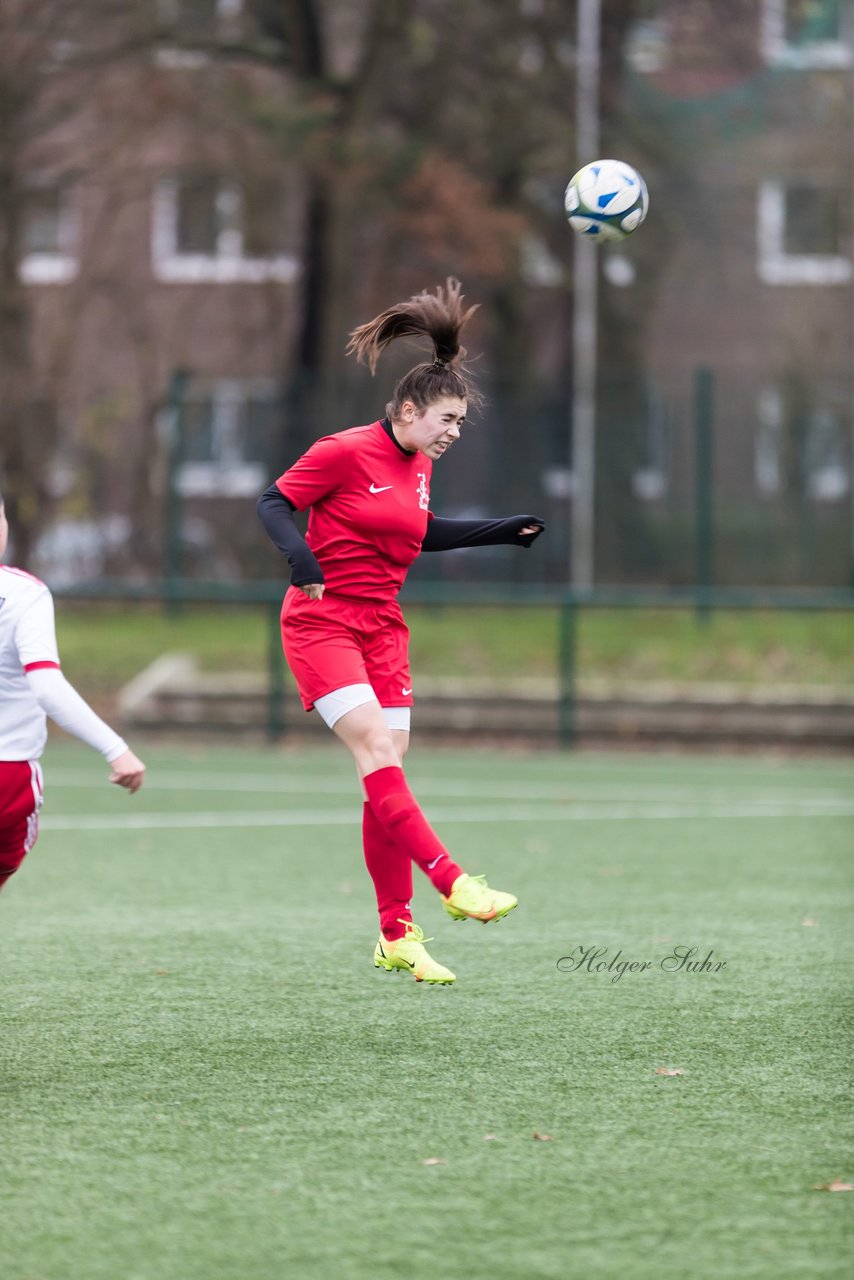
540	268
189	30
49	236
806	33
825	456
648	44
210	230
768	448
228	434
801	445
198	20
650	479
802	234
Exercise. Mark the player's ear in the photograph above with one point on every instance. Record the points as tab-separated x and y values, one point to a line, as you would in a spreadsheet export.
408	410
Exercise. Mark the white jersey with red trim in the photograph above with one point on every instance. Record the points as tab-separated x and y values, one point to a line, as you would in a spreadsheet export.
32	687
27	642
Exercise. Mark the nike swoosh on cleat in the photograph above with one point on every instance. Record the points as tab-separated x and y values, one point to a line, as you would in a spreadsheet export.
381	489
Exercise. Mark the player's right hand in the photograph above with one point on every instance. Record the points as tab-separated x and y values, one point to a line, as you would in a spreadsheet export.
314	590
128	771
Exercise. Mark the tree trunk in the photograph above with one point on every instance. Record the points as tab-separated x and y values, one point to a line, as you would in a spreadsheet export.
315	400
27	433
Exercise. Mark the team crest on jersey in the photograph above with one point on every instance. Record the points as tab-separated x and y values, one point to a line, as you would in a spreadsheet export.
423	491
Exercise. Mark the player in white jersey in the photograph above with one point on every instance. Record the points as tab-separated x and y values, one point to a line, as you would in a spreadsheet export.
32	687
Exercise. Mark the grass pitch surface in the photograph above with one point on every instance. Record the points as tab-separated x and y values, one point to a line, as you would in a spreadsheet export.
204	1076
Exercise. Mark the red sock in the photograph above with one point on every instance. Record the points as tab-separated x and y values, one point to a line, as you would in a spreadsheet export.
390	869
397	811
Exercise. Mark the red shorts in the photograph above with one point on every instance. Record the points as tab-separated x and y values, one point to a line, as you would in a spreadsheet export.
334	642
20	801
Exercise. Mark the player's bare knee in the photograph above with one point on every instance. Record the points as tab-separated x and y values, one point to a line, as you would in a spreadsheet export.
379	750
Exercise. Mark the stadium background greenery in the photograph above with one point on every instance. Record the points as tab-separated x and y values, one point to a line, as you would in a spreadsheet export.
104	646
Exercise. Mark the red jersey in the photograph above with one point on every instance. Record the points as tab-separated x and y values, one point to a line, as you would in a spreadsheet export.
369	509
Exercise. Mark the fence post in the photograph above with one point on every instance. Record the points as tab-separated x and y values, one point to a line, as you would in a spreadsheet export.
173	513
567	727
704	465
275	675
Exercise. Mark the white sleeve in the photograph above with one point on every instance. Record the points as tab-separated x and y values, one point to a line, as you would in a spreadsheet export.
35	632
61	701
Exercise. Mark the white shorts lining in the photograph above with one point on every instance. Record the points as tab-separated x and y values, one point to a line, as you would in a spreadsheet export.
332	706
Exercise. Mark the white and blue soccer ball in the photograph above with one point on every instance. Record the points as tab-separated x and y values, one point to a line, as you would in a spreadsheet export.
606	200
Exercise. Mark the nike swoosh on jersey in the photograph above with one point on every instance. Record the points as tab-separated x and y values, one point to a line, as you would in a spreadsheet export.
381	489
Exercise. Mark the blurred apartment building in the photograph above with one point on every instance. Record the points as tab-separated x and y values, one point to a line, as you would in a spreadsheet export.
178	243
759	274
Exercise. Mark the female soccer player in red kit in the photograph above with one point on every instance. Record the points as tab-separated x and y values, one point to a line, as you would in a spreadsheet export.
32	687
367	490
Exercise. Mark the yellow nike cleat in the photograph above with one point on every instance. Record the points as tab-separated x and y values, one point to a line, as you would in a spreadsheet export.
409	954
472	899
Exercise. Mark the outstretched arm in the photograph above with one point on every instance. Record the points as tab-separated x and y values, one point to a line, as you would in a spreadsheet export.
449	535
61	701
35	642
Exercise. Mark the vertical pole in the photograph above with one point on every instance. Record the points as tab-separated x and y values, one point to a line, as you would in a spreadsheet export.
850	374
704	464
567	726
275	675
172	522
584	309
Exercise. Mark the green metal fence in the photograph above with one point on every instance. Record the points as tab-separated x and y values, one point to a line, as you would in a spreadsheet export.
568	607
708	476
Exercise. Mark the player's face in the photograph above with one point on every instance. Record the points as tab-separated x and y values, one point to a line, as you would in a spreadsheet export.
433	430
4	529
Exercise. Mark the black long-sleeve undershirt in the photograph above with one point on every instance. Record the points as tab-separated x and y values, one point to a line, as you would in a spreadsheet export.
276	514
450	535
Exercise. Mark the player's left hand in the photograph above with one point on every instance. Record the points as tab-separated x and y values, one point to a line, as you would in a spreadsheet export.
128	771
530	527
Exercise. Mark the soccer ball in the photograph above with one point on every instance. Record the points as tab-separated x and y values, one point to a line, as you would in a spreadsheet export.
606	200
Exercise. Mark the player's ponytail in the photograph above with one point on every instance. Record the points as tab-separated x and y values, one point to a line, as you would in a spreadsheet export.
439	316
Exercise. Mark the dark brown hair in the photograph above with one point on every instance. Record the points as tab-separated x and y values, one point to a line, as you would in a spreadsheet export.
439	316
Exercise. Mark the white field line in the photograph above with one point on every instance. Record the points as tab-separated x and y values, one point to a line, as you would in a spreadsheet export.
569	792
312	818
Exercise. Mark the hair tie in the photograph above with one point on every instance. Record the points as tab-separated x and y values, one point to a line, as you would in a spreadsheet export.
440	363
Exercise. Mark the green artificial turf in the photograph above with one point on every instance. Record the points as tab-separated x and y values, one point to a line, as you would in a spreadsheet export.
204	1078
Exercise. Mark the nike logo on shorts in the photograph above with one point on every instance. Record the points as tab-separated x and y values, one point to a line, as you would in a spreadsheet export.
381	489
406	692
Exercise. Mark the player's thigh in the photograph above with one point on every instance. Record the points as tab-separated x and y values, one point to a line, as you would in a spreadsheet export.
16	840
368	738
21	789
323	655
20	801
400	738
